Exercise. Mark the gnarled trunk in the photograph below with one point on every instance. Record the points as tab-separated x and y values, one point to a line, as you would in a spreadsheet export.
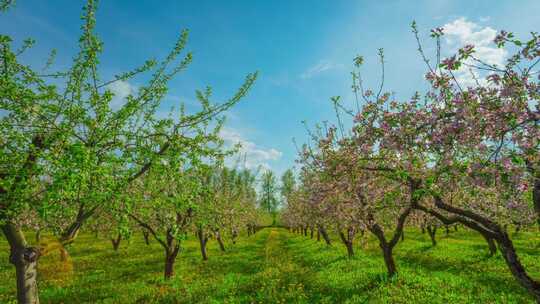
512	261
493	230
25	260
389	259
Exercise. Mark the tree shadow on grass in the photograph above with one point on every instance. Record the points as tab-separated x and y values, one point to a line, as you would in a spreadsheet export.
490	280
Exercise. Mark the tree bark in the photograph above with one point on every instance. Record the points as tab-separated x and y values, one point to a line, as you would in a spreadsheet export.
220	241
203	239
325	236
493	230
234	235
25	260
146	237
432	231
318	235
170	258
512	260
311	232
348	242
492	247
389	259
536	199
116	242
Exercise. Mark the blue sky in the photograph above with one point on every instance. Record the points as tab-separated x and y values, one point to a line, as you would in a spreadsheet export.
302	49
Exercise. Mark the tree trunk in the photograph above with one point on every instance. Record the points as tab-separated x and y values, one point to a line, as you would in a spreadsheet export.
116	242
25	260
512	260
348	244
305	231
202	242
478	222
536	198
432	231
146	237
325	236
447	230
403	236
318	235
68	237
234	235
220	241
170	258
311	232
492	247
455	228
389	259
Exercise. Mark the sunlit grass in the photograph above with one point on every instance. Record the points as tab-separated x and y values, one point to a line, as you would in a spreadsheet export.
276	266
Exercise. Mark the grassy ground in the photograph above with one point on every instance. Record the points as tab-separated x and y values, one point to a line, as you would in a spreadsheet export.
275	266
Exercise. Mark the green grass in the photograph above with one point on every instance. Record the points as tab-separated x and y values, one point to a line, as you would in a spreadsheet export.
276	266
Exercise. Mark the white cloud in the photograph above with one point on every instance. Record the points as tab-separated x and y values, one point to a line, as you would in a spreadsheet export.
121	89
461	32
255	155
320	67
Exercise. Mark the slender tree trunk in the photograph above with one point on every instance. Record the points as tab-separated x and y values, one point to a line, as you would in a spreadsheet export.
318	235
389	259
311	232
220	241
403	236
492	247
423	229
447	230
348	242
234	235
432	231
25	260
170	259
325	236
202	242
116	242
146	237
68	237
536	199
